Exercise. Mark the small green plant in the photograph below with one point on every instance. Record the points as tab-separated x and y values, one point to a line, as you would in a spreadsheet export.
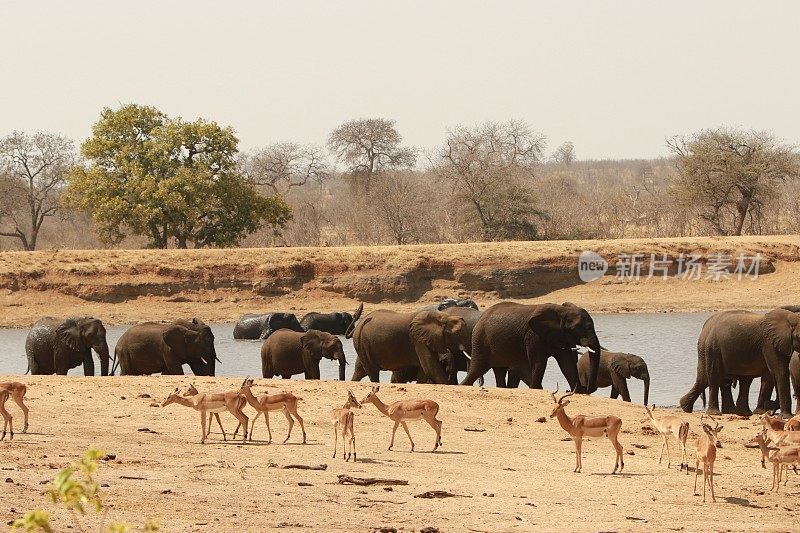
75	494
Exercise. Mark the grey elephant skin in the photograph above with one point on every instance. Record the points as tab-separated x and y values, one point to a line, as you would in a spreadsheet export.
254	326
515	335
449	303
614	371
459	343
386	340
152	348
286	353
333	323
55	345
741	346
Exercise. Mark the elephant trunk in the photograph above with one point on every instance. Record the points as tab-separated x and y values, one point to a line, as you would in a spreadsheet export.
212	362
646	380
102	352
594	362
342	363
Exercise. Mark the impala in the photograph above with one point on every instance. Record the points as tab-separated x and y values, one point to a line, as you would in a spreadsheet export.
670	425
404	410
16	391
580	427
780	457
283	401
706	450
773	422
343	421
211	403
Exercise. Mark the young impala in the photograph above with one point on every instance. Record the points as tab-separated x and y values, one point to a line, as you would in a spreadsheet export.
343	421
580	427
670	425
211	403
706	450
404	410
286	402
16	391
780	457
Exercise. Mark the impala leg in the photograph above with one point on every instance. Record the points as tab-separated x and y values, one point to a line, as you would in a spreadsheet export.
696	472
269	430
253	425
663	444
620	456
394	430
335	438
436	425
219	423
7	422
203	427
405	427
24	408
705	480
669	458
300	421
711	481
291	424
578	446
353	440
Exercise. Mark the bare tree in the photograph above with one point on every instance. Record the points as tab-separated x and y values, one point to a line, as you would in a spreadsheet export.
34	169
284	166
400	205
491	167
565	153
369	146
731	175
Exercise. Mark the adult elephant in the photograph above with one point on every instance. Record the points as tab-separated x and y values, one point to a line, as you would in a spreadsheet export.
333	323
56	345
458	349
386	340
614	371
286	353
449	303
515	335
741	346
254	327
152	348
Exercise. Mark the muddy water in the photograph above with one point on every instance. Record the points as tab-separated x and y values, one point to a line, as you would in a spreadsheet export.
667	341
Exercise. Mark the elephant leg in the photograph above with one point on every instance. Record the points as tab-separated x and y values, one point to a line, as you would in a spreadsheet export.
743	400
713	400
780	373
88	364
173	368
765	394
500	375
614	393
538	366
513	377
359	372
728	405
568	363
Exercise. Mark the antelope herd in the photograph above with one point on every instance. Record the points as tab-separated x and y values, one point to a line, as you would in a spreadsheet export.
778	440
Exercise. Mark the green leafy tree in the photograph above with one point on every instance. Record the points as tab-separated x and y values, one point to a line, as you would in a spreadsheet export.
75	494
168	179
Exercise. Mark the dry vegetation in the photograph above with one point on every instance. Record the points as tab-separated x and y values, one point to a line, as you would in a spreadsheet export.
125	286
510	472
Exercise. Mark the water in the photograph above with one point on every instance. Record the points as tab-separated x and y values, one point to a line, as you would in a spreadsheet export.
667	341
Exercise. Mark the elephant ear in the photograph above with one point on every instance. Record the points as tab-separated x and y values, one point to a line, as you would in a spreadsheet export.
177	337
621	367
427	328
312	344
69	332
779	330
546	322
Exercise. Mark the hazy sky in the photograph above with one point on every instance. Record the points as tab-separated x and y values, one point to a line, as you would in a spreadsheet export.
616	78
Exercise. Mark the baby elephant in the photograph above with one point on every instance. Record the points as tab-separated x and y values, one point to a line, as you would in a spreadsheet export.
286	353
615	369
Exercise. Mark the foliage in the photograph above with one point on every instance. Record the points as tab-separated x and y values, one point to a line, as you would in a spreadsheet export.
168	179
75	495
32	173
731	176
491	168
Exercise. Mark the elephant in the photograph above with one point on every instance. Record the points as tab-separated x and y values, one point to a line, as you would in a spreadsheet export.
55	345
255	327
448	303
333	323
386	340
614	371
515	335
151	348
459	348
286	353
741	346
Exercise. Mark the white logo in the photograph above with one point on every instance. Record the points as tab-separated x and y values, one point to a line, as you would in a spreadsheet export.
591	266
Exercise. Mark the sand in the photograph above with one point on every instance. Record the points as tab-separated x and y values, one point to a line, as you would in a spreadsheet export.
513	474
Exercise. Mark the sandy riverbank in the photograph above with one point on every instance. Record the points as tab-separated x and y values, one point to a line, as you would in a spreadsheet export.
524	465
128	286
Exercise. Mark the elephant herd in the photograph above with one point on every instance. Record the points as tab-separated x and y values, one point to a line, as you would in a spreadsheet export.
436	342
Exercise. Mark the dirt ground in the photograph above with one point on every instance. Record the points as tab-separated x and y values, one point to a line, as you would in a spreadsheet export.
509	472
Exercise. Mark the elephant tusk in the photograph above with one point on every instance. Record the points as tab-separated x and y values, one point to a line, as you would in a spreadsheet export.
588	349
466	355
